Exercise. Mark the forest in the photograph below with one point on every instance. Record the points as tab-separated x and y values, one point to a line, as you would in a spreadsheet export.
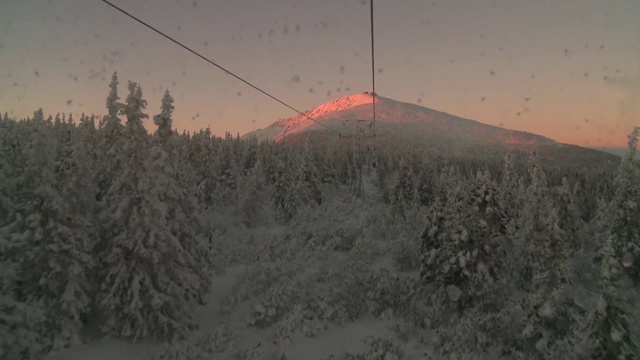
109	229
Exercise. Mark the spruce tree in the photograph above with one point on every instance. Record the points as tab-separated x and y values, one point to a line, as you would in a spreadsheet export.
113	106
252	195
153	264
21	323
110	156
163	120
7	178
611	323
625	211
403	193
539	237
52	239
547	252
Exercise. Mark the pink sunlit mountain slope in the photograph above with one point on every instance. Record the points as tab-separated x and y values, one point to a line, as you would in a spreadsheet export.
404	123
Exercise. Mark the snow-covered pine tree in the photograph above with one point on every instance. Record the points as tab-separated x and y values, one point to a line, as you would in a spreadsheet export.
252	195
73	235
164	120
539	237
570	215
38	117
617	336
186	176
326	164
33	188
7	171
510	197
608	306
296	183
227	170
605	300
544	274
110	143
87	157
511	188
387	174
149	269
468	261
309	175
166	167
267	154
489	224
284	201
53	268
403	190
625	211
444	236
113	106
425	180
202	157
432	241
343	164
20	323
177	149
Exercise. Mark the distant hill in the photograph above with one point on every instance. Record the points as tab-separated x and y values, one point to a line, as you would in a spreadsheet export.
400	124
619	151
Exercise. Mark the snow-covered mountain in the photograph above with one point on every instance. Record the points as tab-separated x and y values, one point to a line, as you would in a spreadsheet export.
395	120
405	123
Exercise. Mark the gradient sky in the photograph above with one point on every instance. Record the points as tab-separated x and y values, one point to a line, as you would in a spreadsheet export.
566	69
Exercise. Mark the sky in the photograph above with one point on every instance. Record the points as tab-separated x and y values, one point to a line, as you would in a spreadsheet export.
565	69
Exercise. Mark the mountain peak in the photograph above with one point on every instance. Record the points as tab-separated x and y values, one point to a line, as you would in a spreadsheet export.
343	103
332	109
